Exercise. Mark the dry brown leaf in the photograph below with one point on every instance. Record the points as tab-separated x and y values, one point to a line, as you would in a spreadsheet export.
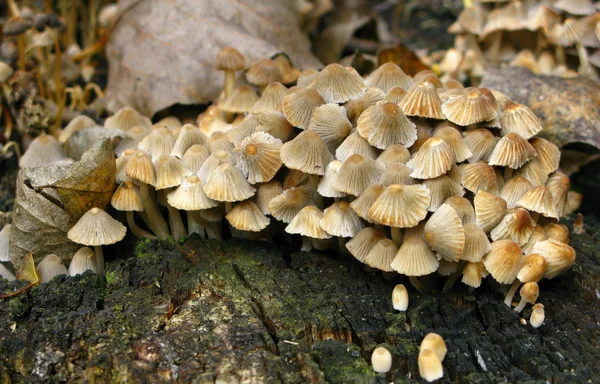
568	108
163	52
28	271
49	200
406	59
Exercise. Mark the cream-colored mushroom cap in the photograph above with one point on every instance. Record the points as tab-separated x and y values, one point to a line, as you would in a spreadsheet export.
190	196
307	153
401	206
504	261
381	360
444	233
340	220
258	157
84	259
336	84
415	258
422	100
247	216
434	158
50	267
306	223
97	227
227	183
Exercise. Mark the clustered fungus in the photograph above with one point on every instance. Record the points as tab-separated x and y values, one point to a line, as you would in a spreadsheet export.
487	32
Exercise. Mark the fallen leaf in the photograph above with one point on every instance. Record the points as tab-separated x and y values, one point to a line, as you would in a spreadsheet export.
28	271
406	59
50	199
163	52
83	139
568	108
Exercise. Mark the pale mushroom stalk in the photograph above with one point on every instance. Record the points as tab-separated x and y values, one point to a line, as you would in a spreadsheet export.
213	230
230	82
449	283
584	65
156	222
135	229
12	7
560	55
99	260
511	292
396	234
416	283
306	244
521	305
176	224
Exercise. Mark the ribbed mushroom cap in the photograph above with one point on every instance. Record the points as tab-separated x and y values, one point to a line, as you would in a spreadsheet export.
512	151
472	19
442	188
306	77
247	216
414	258
433	159
455	140
306	223
504	261
212	121
428	75
397	174
159	142
258	157
395	95
446	268
363	203
78	123
188	136
476	243
382	255
510	17
325	187
356	174
227	183
194	157
127	118
516	225
547	153
340	220
241	100
219	141
83	259
363	242
385	124
50	267
285	206
331	123
354	108
558	184
559	256
230	59
289	73
473	106
533	171
298	106
122	161
538	235
190	196
388	76
170	172
514	189
489	210
97	227
401	206
245	129
355	144
396	153
307	153
140	168
533	269
578	7
213	161
381	360
336	84
422	100
263	72
424	133
5	242
570	32
275	124
294	178
478	176
444	233
127	198
265	192
539	199
519	119
271	98
471	274
42	151
463	208
481	143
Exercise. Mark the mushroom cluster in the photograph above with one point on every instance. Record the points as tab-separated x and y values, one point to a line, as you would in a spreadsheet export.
532	34
407	174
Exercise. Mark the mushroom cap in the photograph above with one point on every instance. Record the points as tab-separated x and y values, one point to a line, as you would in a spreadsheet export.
247	216
306	223
356	174
400	298
336	84
289	73
16	26
287	205
213	161
190	196
533	171
169	171
476	243
275	124
538	199
354	108
355	144
363	203
481	143
547	153
512	151
384	124
127	198
434	158
538	235
436	343
382	255
533	269
6	71
474	105
444	233
478	176
298	106
265	192
422	100
95	228
331	123
263	72
514	189
558	184
188	136
455	140
271	98
463	207
516	225
42	151
78	123
306	77
520	119
325	187
472	19
489	210
397	174
307	153
258	157
537	316
241	100
401	206
194	157
415	258
227	183
340	220
471	274
127	118
441	189
559	256
50	267
363	242
388	76
230	59
159	142
430	366
396	153
381	360
83	259
503	261
5	243
395	95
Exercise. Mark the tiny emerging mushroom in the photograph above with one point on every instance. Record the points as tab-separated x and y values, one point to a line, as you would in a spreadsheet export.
84	259
537	316
50	267
400	298
381	360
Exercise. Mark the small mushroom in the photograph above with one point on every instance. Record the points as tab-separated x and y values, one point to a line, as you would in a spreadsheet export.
400	298
50	267
381	360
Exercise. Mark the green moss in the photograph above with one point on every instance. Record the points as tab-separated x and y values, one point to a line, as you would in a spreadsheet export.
111	278
18	306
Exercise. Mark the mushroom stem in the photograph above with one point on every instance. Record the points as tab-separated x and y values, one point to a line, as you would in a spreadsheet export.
48	6
230	81
560	55
176	224
342	246
228	206
396	234
99	260
584	65
521	305
156	222
213	230
306	244
449	283
495	46
508	173
414	280
511	293
21	50
135	229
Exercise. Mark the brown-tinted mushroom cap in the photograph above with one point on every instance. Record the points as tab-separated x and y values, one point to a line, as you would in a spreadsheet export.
227	183
325	187
263	72
414	258
518	118
97	227
539	199
285	206
363	242
169	171
473	106
306	223
298	106
241	100
489	210
140	168
336	84
455	140
382	255
478	176
247	216
388	76
422	100
516	225
231	59
271	98
127	198
512	151
548	154
307	153
441	189
331	123
433	159
401	206
504	261
127	118
444	233
385	124
356	174
559	256
258	157
362	204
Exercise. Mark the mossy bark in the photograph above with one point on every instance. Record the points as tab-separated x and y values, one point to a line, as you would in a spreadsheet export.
201	311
